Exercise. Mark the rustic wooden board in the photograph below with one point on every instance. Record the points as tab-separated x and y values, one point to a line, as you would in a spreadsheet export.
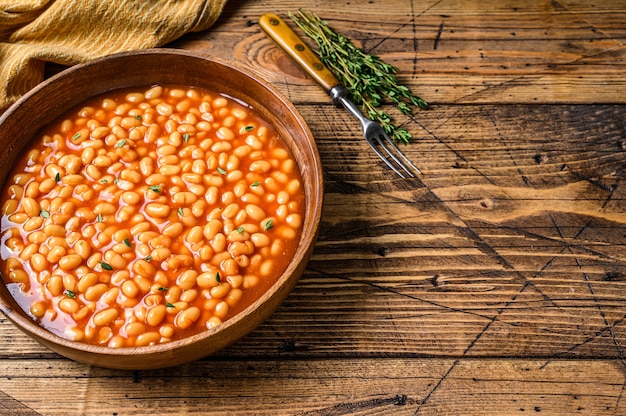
317	387
492	284
484	52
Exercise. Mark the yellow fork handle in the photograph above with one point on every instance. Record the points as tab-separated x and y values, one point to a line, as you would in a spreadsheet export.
291	43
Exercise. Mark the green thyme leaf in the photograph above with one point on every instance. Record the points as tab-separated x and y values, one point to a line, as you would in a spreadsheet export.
44	214
138	117
69	293
180	211
99	218
127	242
76	137
148	258
163	289
269	224
240	230
217	277
169	305
221	171
120	144
57	177
248	128
105	266
155	188
255	184
368	79
186	137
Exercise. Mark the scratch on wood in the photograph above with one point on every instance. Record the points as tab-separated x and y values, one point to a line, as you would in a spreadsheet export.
12	407
439	32
593	181
436	386
352	407
608	327
414	24
586	341
592	291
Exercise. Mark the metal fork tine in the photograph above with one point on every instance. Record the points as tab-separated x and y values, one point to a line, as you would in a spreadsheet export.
402	155
387	142
374	135
387	162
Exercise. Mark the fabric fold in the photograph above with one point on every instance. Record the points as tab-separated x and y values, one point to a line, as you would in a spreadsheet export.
67	32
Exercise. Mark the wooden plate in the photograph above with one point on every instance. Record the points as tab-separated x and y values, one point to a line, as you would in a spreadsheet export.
52	98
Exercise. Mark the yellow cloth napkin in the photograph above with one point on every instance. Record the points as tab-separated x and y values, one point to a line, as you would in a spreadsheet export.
68	32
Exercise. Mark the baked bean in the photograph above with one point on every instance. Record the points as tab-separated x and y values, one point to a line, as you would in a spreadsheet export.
194	235
221	290
55	285
70	282
54	230
82	249
213	322
155	315
160	254
147	338
282	211
154	92
70	261
144	268
86	281
260	240
38	262
157	210
143	283
235	281
134	329
130	289
37	237
30	206
234	296
255	212
187	279
110	296
221	310
207	280
38	309
173	230
189	295
105	317
114	259
184	198
105	208
18	275
55	254
151	210
93	293
9	207
68	305
187	317
32	224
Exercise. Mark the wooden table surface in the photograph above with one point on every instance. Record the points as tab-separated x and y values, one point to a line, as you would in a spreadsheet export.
493	284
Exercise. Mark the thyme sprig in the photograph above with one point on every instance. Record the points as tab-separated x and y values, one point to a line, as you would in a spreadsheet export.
368	79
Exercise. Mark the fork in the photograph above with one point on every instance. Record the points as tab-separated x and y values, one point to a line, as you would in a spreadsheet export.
373	133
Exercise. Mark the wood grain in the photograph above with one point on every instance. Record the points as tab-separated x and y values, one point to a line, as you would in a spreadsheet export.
320	387
493	284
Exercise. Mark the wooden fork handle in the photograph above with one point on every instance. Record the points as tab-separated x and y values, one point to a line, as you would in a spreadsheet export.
291	43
